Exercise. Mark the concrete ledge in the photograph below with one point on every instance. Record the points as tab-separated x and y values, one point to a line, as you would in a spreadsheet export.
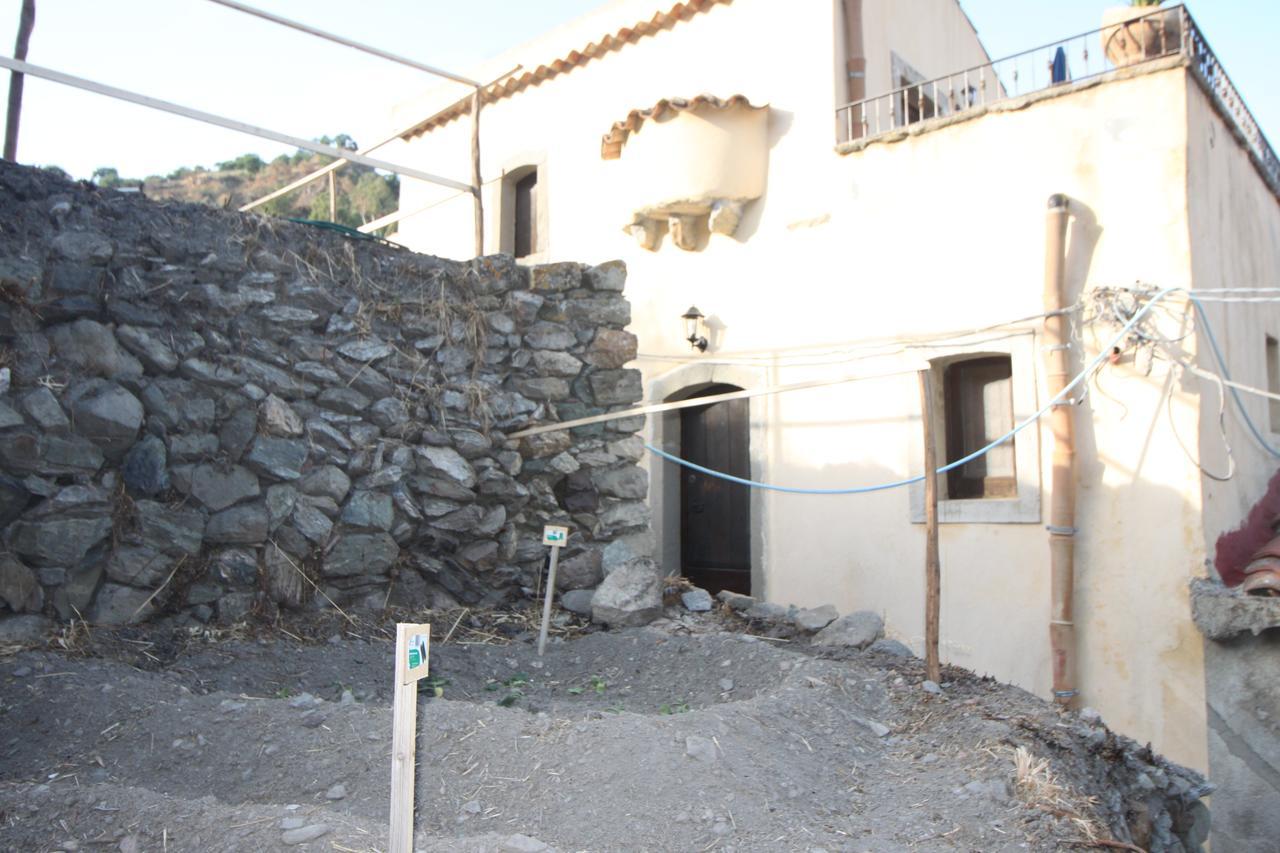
1221	613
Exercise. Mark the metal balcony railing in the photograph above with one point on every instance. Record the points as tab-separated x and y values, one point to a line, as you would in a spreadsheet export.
1161	33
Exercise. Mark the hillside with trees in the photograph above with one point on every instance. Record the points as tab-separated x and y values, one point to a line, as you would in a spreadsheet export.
363	194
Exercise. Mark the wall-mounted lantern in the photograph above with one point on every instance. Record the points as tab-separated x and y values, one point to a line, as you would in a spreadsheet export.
692	320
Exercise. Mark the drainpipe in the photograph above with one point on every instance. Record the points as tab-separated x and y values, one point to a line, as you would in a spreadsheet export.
855	60
1062	512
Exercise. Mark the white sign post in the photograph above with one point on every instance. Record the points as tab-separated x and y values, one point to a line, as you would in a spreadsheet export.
555	537
413	649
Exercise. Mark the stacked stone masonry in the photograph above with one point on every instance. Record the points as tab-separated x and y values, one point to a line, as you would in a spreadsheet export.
245	414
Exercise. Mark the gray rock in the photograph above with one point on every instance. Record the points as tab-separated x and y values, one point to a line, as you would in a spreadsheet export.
461	520
815	619
701	748
237	431
625	482
121	605
630	595
74	596
43	408
931	687
612	387
145	469
626	548
278	418
91	349
325	435
696	600
193	447
60	540
625	514
611	349
139	566
388	412
549	336
218	489
891	647
24	629
287	315
556	277
383	477
279	458
83	246
14	497
336	792
110	417
563	463
365	349
556	363
369	509
312	523
344	400
173	530
69	455
281	499
8	417
768	611
302	835
854	630
520	843
580	571
246	524
361	553
149	347
19	586
479	556
578	601
446	462
542	387
610	276
326	481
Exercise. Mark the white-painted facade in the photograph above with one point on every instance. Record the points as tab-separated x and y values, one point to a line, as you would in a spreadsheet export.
931	234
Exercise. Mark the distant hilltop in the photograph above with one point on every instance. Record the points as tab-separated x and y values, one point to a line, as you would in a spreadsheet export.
363	194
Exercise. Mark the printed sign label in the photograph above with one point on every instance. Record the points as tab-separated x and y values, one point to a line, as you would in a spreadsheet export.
553	535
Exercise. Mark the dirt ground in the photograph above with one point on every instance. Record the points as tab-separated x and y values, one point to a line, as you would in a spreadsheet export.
691	735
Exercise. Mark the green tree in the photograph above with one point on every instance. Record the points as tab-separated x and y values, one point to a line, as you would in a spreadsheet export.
372	197
250	163
106	177
58	172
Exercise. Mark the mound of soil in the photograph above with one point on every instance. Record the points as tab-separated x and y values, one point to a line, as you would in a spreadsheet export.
643	739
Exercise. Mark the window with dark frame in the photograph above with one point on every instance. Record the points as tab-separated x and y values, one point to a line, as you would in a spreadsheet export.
525	225
977	409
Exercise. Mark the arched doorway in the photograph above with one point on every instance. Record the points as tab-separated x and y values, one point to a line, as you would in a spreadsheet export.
715	514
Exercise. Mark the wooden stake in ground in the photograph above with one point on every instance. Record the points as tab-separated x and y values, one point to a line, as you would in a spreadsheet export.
555	537
413	649
26	23
932	567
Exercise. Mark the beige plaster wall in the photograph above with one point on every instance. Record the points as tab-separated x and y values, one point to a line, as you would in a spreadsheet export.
940	232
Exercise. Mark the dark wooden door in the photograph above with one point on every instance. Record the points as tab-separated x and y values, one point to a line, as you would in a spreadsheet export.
715	515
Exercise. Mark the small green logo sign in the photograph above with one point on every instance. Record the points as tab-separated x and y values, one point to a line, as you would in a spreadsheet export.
415	658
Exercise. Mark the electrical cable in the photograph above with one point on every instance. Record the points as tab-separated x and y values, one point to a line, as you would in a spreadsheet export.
1060	398
1226	375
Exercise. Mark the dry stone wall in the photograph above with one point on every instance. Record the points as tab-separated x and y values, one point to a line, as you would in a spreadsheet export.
244	413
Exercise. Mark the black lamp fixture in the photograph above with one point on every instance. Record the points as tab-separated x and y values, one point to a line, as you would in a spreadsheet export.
692	318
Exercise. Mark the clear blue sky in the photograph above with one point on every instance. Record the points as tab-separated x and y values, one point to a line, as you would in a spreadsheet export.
206	56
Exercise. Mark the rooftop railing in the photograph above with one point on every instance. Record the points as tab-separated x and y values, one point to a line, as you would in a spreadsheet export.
1142	39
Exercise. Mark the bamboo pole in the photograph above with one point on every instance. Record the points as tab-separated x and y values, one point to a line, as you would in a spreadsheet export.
1062	511
26	23
477	188
333	197
932	566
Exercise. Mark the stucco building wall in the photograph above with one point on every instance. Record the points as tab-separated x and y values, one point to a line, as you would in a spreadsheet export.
938	232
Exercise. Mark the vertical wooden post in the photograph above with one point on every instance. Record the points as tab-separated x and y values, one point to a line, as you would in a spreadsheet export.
26	23
476	186
404	734
932	566
333	198
546	605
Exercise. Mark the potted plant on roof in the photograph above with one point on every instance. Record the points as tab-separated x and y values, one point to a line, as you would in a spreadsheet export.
1140	31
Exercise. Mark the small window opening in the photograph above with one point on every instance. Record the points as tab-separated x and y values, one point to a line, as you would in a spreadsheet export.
525	230
978	408
1273	380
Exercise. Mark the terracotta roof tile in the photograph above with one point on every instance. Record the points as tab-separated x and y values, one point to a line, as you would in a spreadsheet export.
611	144
678	12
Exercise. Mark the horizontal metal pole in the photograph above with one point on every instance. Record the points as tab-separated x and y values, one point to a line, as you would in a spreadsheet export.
338	164
276	19
654	408
229	124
